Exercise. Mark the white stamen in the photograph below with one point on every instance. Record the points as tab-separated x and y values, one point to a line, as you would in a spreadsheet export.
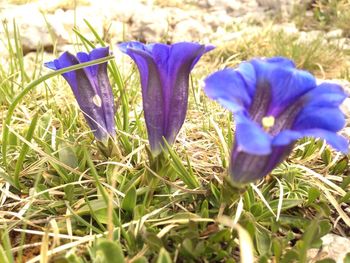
268	122
97	101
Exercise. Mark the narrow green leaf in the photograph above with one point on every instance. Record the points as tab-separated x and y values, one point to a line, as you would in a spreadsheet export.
185	174
164	256
129	201
24	151
109	252
3	256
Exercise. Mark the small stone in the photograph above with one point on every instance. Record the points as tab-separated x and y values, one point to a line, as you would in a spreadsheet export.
338	33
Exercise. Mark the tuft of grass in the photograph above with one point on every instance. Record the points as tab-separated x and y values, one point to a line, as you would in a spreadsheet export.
324	15
311	53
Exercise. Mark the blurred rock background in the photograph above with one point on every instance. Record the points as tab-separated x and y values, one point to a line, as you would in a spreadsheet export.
50	23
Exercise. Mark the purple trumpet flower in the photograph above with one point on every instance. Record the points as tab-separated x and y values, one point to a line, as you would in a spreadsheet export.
92	90
274	105
164	72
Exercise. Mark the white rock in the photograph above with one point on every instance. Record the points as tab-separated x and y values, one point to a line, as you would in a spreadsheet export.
121	10
31	25
310	36
226	5
190	30
272	4
289	28
218	18
334	246
53	5
117	31
150	25
62	24
337	33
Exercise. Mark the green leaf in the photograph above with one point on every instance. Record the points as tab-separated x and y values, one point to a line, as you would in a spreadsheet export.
185	174
129	201
345	182
326	260
263	240
290	256
287	204
187	248
69	192
326	156
277	248
313	194
67	155
340	166
6	253
3	256
73	258
347	258
215	191
140	260
153	240
109	252
164	256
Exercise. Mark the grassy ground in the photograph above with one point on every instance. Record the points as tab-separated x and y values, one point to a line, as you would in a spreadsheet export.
62	200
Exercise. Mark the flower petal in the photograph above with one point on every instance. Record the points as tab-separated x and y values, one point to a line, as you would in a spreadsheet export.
325	95
286	137
313	117
281	62
336	141
229	89
245	168
182	58
248	74
251	138
287	83
50	65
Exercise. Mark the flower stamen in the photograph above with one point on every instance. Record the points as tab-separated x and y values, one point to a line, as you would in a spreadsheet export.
268	122
97	101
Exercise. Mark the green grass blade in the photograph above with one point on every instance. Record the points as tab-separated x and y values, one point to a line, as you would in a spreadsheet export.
24	150
105	196
185	174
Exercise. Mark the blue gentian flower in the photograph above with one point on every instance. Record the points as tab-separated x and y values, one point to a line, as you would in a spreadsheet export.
164	72
274	105
92	90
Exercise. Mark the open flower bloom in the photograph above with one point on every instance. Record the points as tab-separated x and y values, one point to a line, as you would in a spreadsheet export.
164	72
274	105
92	90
